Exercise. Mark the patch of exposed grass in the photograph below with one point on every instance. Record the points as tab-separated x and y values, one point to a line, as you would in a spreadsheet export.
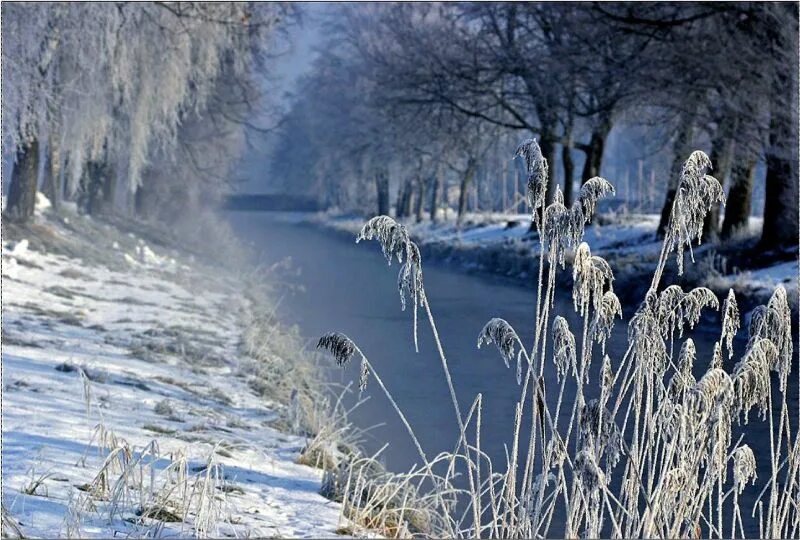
159	513
223	452
159	429
231	488
133	301
219	395
9	339
72	318
72	273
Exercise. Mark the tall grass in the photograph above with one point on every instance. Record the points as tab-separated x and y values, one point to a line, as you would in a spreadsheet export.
146	489
654	455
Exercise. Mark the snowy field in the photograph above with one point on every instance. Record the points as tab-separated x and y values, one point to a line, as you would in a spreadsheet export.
128	404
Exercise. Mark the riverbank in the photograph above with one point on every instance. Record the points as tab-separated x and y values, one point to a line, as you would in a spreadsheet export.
148	391
500	244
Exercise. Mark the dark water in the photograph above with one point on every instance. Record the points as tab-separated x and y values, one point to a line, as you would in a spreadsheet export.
350	289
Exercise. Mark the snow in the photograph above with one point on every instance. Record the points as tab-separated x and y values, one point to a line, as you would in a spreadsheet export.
621	236
87	346
780	273
42	203
20	248
763	281
626	240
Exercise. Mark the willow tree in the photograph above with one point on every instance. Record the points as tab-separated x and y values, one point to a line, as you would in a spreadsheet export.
105	87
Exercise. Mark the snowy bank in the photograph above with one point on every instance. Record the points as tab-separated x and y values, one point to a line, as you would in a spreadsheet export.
131	404
500	244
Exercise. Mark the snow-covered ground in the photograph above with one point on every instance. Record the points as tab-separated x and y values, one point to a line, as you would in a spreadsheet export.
762	281
499	243
481	230
128	404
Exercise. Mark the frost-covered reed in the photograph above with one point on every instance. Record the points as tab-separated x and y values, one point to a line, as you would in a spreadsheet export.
651	457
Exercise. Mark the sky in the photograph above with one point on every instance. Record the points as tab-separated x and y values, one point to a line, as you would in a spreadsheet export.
303	39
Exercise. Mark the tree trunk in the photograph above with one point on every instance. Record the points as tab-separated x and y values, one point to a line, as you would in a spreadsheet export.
47	175
419	206
569	171
382	188
781	196
476	200
64	192
24	177
400	203
434	197
139	202
721	157
680	153
90	199
737	207
466	181
53	175
596	148
504	194
548	147
109	189
407	200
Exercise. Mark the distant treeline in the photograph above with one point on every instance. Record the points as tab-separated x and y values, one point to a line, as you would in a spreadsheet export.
418	107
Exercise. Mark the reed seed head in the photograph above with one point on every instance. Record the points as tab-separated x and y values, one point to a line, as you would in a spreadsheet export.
603	323
363	375
588	472
751	377
607	376
498	332
564	351
676	308
598	430
714	389
339	346
537	170
591	275
592	190
696	194
744	467
391	236
716	356
730	321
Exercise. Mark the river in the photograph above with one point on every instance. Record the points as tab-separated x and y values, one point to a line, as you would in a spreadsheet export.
349	288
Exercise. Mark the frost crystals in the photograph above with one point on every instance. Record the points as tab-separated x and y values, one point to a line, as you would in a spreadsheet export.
537	169
394	241
342	349
697	193
339	345
503	336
